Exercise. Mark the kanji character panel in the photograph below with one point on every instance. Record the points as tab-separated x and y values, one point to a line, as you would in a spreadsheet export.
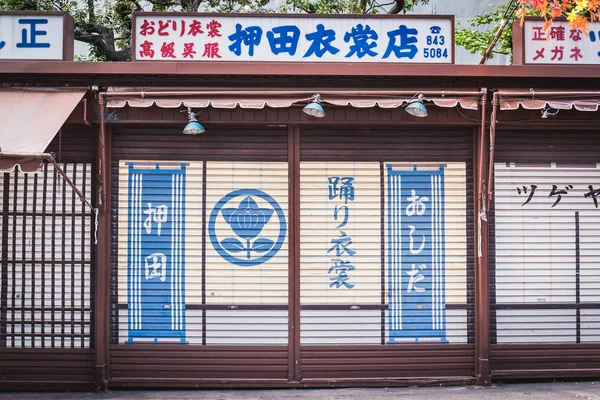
547	253
202	253
383	252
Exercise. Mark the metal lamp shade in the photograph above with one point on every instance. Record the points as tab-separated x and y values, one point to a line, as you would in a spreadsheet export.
193	128
417	108
315	109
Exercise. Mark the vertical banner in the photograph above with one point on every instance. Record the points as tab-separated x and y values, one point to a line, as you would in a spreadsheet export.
416	253
156	252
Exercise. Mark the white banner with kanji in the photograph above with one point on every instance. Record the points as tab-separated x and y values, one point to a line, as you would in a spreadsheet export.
560	44
280	37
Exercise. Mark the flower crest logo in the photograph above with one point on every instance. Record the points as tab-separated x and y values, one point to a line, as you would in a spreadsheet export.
243	240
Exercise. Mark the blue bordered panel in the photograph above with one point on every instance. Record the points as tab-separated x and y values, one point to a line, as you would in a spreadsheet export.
416	254
156	252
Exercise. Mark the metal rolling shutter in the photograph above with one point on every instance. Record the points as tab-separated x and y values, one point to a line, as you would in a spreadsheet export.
356	256
547	253
355	242
190	279
247	261
217	305
544	315
46	278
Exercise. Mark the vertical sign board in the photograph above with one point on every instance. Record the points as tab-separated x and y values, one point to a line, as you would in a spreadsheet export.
36	36
156	253
560	44
416	254
281	37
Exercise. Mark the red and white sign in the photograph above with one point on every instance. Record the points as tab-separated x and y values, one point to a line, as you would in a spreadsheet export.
560	44
285	37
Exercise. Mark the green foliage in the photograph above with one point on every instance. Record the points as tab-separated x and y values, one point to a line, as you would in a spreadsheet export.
348	6
477	41
37	5
106	25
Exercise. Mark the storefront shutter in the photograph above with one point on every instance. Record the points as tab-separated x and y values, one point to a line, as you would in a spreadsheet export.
46	275
544	266
201	255
546	252
385	254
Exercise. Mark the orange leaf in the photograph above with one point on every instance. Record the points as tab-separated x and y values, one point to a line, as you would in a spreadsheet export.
556	9
580	23
521	14
547	25
592	5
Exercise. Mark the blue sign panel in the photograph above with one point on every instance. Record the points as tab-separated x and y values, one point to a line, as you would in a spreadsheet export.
416	255
156	253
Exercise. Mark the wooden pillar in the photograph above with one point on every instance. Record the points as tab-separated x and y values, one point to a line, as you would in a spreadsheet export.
482	291
101	293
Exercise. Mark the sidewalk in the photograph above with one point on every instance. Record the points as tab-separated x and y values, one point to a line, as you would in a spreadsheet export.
533	391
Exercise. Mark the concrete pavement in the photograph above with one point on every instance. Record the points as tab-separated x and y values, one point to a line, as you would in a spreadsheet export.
527	391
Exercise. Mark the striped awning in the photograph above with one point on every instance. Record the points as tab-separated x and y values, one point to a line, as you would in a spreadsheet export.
119	97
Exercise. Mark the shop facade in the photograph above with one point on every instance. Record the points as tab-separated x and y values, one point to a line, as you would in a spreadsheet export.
281	250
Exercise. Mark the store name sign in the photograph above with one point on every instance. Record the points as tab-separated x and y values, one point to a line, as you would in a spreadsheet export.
560	44
35	36
281	37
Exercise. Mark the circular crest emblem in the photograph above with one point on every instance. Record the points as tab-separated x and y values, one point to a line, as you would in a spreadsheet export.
247	227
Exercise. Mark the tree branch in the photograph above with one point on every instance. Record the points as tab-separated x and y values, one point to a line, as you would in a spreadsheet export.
398	6
109	51
363	5
163	3
373	5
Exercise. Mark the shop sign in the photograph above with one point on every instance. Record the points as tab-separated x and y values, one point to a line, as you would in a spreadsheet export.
560	44
284	37
36	36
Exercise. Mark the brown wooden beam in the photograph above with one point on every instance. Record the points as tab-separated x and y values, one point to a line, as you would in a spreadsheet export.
295	68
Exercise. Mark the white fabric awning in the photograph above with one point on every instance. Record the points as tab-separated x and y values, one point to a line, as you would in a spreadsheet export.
124	97
29	120
512	99
539	104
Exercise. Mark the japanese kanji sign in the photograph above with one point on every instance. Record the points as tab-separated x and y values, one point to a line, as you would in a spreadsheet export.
36	36
156	252
560	44
416	254
217	37
341	191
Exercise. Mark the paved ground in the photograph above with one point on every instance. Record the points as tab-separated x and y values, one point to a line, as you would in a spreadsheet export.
533	391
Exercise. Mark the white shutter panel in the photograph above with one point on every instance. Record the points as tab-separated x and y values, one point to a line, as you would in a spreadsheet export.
547	266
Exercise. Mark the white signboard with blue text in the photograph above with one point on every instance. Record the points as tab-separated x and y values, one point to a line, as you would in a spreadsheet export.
34	36
293	38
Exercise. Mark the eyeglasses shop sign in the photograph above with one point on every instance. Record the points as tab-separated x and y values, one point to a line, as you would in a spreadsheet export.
281	37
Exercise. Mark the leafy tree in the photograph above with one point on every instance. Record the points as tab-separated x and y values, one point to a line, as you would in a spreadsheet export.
349	6
106	26
471	38
577	12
